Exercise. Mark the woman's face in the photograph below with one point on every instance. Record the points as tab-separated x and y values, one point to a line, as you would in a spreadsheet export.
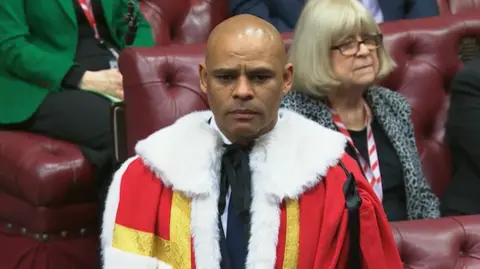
355	59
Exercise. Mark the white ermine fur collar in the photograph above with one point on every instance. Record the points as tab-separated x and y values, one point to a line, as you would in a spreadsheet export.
286	162
291	158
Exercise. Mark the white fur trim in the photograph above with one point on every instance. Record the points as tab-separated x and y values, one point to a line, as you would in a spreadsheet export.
285	163
294	156
114	258
205	232
111	205
117	259
182	155
299	152
265	223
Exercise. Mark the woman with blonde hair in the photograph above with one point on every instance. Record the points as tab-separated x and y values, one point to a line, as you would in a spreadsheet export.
338	55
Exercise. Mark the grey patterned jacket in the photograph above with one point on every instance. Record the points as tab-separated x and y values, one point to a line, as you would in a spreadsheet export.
393	113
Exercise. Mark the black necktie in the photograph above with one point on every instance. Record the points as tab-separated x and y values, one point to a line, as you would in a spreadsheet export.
235	173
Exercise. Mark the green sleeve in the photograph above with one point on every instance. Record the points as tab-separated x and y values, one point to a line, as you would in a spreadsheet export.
22	58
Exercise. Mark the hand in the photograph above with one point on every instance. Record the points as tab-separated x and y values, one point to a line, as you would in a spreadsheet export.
109	81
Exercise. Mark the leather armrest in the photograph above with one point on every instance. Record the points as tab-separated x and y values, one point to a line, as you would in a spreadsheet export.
44	171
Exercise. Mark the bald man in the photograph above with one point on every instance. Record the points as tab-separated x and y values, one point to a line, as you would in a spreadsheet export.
245	185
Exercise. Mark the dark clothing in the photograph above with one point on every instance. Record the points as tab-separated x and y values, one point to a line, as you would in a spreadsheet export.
394	10
463	133
284	14
235	241
235	174
80	117
393	113
394	198
92	54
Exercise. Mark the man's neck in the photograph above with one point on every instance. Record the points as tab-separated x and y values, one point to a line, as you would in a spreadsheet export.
242	140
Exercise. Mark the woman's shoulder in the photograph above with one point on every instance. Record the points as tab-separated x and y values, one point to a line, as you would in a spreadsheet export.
302	103
381	96
295	99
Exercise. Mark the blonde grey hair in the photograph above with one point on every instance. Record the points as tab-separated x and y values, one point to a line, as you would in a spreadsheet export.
323	24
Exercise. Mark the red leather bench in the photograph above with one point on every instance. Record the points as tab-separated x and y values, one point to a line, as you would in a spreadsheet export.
183	21
48	213
48	208
161	84
448	243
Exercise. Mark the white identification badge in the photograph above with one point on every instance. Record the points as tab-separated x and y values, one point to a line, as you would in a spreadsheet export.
113	64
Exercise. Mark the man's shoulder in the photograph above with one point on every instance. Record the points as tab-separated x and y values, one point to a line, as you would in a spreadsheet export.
135	171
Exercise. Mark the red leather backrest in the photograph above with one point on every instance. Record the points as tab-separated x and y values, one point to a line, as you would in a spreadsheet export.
183	21
161	84
448	243
457	6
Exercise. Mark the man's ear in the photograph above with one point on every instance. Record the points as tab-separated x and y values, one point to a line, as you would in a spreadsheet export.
287	78
202	71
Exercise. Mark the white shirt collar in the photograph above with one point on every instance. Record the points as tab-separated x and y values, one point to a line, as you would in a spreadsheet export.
214	125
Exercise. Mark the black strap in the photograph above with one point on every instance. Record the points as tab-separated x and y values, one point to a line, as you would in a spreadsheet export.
235	172
352	203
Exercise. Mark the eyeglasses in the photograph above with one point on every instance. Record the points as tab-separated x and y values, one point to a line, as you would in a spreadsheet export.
350	48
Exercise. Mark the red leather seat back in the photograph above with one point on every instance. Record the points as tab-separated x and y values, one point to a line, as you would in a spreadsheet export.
457	6
183	21
427	55
448	243
162	84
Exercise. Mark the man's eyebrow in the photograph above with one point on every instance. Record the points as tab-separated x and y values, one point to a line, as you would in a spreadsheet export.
250	70
224	70
260	70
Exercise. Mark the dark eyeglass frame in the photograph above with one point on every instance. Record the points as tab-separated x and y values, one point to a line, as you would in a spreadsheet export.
378	38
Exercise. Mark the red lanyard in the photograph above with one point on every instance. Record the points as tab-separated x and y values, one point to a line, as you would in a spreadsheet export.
372	172
86	6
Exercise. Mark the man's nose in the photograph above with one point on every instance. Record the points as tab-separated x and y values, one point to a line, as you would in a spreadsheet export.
243	90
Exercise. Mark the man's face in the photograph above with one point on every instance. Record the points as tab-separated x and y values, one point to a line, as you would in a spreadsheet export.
245	80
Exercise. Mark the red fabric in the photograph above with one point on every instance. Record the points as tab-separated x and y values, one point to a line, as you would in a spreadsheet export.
140	194
324	233
323	218
145	203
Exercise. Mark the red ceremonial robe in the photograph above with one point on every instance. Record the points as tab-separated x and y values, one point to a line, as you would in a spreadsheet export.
161	210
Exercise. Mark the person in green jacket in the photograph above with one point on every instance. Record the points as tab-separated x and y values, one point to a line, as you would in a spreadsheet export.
58	62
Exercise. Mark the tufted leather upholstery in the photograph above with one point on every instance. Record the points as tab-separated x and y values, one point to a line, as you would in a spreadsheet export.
448	243
457	6
48	207
425	50
183	21
47	204
161	84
